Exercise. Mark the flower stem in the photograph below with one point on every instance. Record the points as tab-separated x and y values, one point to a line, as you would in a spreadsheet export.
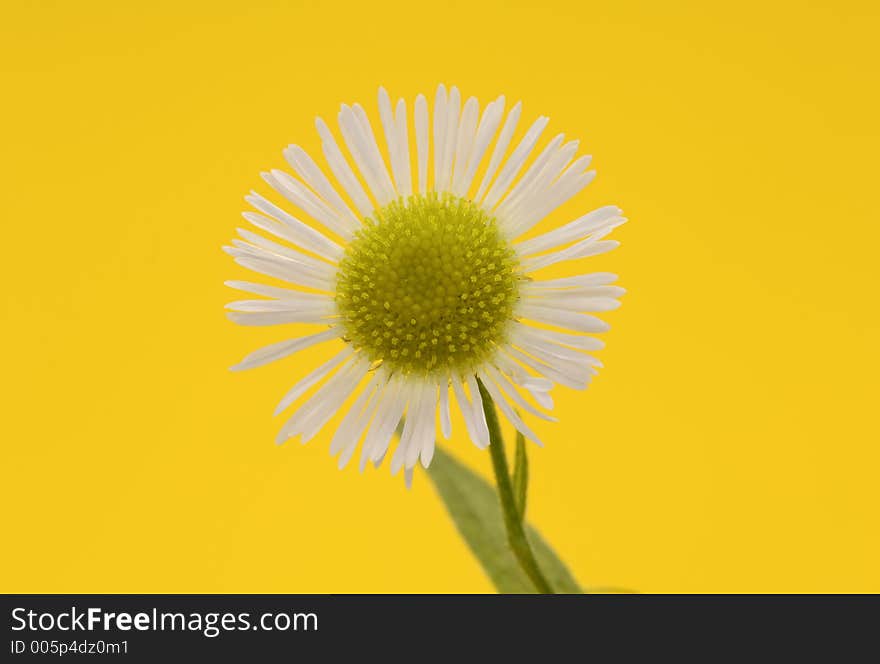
516	534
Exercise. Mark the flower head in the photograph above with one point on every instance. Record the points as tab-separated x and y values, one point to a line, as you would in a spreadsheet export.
426	282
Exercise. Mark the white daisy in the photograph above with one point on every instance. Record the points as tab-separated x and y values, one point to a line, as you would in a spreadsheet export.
422	276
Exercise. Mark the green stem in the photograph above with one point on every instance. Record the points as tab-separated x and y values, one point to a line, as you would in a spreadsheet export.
516	534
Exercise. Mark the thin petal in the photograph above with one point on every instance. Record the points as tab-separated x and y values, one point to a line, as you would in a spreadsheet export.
563	338
489	122
305	236
508	412
285	272
575	230
500	148
306	168
467	413
394	407
282	349
404	177
517	398
467	129
312	378
342	171
262	319
440	116
421	123
481	427
515	162
453	109
445	419
567	319
318	411
581	280
532	174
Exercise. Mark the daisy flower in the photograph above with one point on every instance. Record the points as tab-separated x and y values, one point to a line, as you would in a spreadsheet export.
414	262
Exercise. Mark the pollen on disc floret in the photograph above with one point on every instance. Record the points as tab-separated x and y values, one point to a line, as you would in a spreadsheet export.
428	284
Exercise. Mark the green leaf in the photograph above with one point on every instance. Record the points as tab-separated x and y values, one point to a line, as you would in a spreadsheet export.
520	475
473	506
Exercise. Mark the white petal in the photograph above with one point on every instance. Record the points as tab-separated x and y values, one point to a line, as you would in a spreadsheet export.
268	291
517	398
445	419
575	230
395	137
519	375
325	401
285	272
576	369
404	177
574	302
509	413
282	349
581	280
543	398
301	196
425	430
489	122
440	117
568	185
378	462
530	342
394	125
346	429
356	141
331	402
386	117
515	162
416	396
615	292
567	319
261	319
429	442
384	406
481	428
572	340
326	307
353	435
537	386
500	148
274	291
467	129
373	153
377	408
550	372
318	374
532	174
589	247
296	263
305	236
467	412
304	166
393	406
517	208
282	231
290	267
421	123
342	171
453	110
317	266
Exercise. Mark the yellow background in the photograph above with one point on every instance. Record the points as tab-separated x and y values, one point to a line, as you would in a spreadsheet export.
731	443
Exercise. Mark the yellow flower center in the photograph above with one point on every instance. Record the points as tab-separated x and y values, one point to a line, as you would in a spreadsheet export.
428	285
